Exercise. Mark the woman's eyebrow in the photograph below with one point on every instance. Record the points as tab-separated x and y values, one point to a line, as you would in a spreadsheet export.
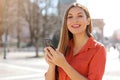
69	14
79	13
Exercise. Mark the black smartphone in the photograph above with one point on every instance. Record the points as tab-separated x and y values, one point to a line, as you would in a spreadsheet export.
48	42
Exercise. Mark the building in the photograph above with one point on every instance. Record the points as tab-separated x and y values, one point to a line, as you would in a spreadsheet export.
116	35
98	27
63	4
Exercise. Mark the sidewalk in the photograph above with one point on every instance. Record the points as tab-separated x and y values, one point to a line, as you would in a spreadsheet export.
23	66
112	71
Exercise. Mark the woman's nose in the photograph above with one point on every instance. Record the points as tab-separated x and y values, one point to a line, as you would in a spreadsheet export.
75	19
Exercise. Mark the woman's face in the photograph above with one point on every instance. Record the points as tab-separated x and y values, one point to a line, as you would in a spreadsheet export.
77	20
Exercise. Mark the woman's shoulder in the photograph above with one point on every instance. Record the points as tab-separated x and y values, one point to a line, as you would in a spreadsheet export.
94	43
99	49
99	46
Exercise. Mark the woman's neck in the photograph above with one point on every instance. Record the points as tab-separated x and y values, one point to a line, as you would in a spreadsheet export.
79	42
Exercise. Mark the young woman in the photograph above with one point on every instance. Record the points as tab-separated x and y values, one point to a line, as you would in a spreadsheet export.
78	56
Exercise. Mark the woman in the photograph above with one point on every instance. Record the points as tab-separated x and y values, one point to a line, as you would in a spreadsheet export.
78	56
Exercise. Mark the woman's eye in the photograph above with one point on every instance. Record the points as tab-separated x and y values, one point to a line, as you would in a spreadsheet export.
80	16
69	17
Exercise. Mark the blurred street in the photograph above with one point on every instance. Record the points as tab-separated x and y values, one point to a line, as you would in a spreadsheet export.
24	66
25	24
112	71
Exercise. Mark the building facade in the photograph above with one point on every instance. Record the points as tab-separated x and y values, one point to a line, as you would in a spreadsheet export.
98	27
63	4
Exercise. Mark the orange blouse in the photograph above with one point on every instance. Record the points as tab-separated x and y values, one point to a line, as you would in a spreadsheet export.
89	62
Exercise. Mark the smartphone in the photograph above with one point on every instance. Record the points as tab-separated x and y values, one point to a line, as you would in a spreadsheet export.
48	42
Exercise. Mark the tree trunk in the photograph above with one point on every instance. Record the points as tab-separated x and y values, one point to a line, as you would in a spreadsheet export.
36	50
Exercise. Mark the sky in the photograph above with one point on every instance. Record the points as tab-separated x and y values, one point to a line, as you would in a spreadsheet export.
107	10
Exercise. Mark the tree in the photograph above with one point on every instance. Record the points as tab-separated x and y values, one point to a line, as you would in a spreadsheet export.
1	28
33	17
35	26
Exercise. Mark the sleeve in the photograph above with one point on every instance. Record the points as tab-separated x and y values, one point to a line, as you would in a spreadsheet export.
97	65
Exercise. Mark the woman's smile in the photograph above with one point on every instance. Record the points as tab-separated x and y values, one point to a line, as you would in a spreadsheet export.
76	26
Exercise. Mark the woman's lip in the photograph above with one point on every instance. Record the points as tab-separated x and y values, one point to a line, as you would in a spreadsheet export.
76	26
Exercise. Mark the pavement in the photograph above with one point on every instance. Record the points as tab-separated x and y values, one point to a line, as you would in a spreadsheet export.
112	70
24	66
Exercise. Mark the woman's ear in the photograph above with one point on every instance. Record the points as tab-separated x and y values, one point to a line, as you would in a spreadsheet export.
88	21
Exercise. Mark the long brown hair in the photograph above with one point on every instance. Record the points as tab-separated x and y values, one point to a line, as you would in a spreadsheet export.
66	35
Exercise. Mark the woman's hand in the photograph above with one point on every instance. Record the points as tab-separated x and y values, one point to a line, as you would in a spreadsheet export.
47	57
55	57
